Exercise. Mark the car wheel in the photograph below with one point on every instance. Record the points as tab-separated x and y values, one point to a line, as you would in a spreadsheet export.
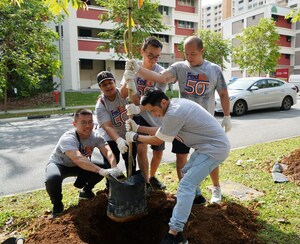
287	103
239	108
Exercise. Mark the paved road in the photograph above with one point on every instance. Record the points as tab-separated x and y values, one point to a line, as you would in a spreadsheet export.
25	145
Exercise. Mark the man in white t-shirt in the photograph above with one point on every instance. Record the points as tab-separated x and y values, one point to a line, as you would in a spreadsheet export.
72	157
150	51
193	126
198	79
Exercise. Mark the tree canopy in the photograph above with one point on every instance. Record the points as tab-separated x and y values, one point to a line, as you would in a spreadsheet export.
257	50
28	55
146	21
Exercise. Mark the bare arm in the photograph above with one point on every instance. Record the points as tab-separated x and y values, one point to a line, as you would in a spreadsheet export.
110	130
152	140
224	98
124	94
165	77
82	161
108	154
147	130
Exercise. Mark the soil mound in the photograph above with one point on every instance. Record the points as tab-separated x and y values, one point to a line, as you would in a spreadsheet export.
293	166
88	223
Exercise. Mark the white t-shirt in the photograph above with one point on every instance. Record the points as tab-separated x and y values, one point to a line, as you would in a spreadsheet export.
69	142
114	111
199	83
192	125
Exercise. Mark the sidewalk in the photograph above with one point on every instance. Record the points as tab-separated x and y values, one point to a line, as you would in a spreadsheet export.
37	110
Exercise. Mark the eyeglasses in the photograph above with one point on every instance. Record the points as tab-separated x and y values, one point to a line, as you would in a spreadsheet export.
85	123
151	57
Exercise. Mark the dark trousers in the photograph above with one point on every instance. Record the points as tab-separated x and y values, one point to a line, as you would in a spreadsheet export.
114	147
56	173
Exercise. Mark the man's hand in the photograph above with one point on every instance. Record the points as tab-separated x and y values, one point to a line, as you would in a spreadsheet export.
122	145
226	122
115	172
132	109
131	86
129	75
130	125
130	136
132	65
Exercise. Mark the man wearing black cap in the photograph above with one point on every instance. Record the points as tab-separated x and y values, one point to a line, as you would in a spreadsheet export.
111	116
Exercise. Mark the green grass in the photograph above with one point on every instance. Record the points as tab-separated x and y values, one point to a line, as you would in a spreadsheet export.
280	201
72	99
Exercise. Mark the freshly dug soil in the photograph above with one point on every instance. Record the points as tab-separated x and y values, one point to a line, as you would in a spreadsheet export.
293	166
88	223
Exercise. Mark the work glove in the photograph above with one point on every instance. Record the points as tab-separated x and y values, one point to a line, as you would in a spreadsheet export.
130	125
130	136
226	122
129	75
115	172
131	86
122	145
132	65
132	109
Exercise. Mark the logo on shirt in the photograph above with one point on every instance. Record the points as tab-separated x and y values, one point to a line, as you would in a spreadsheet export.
144	85
119	116
196	84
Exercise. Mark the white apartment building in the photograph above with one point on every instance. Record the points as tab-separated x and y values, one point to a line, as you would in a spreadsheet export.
238	15
212	17
81	61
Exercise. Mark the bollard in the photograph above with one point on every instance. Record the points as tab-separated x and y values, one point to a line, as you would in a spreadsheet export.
56	96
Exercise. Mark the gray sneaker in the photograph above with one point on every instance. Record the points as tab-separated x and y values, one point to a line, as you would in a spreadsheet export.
86	194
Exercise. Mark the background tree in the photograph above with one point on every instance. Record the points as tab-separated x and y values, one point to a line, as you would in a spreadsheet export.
257	50
147	20
216	49
28	55
294	15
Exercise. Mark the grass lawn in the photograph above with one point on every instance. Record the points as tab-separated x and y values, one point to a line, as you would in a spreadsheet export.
278	208
72	99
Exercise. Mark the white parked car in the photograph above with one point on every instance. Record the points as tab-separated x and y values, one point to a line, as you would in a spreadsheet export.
257	93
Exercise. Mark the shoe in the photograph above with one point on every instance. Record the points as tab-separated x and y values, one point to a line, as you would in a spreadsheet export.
57	210
199	200
216	195
155	183
171	239
86	194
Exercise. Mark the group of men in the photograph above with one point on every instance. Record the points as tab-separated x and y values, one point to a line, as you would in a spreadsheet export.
187	122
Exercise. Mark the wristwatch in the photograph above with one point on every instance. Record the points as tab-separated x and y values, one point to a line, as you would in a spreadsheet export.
136	137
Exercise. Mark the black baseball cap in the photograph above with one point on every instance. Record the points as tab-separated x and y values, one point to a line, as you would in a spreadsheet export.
104	75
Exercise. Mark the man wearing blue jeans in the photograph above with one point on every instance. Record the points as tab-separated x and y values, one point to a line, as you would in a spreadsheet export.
192	125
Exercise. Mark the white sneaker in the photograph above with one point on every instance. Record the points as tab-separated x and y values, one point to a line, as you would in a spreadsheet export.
216	195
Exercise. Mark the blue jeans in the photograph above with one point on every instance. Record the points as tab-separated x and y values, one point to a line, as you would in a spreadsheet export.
195	171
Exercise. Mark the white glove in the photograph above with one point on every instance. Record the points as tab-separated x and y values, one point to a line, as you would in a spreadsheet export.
122	145
115	172
129	75
132	65
131	86
130	125
226	122
129	136
132	109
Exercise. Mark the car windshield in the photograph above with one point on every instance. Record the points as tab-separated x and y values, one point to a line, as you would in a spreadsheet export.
241	84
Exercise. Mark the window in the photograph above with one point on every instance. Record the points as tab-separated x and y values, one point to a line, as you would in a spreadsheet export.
287	56
61	29
120	65
275	17
163	38
190	3
288	38
83	32
86	64
164	10
185	24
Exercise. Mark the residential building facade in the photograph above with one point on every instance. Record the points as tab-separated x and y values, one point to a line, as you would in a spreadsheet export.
81	61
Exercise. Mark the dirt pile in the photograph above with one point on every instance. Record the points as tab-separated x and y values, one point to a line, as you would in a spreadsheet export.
88	223
293	166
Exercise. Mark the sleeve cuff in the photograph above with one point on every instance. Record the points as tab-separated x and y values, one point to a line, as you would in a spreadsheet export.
164	137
